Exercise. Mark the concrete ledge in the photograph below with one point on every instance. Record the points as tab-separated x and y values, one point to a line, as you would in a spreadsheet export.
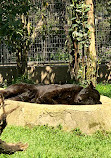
50	74
88	118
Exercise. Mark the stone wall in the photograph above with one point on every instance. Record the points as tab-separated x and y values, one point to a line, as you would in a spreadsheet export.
50	74
104	72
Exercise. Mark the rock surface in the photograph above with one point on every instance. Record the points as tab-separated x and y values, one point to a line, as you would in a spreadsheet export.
88	118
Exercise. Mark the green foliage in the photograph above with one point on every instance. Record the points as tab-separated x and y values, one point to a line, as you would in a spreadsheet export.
104	89
45	16
102	135
15	29
80	28
10	21
60	55
22	79
78	132
80	36
48	142
59	127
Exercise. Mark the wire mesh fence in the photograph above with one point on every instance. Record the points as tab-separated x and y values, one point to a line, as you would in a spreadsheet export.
50	36
103	30
50	33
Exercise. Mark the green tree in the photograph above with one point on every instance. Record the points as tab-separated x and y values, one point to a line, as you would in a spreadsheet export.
15	30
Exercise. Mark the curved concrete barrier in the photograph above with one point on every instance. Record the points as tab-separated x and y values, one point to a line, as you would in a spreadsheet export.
88	118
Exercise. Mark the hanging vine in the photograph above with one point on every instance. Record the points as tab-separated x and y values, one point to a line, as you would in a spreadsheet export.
79	33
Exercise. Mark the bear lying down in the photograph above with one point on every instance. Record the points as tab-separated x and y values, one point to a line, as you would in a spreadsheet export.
53	94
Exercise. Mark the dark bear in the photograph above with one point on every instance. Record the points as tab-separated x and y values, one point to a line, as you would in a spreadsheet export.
68	94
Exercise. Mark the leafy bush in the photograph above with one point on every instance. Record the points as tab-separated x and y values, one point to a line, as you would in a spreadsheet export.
22	79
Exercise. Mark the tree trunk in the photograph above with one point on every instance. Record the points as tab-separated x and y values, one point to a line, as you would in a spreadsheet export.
76	64
91	54
21	63
22	52
75	51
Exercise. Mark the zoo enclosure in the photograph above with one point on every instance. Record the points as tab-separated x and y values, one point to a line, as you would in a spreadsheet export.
51	41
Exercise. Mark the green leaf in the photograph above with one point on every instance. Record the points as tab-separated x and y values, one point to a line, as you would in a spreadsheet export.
78	39
73	18
79	11
78	22
70	29
74	25
87	9
71	5
87	26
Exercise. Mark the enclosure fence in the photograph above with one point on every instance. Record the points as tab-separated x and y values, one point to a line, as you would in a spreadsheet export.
51	41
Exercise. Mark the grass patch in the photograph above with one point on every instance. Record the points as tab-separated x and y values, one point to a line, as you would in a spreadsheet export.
104	89
47	142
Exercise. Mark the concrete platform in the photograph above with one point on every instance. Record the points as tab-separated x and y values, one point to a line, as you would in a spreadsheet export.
88	118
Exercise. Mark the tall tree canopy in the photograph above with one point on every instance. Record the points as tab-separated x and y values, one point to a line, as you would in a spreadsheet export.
15	29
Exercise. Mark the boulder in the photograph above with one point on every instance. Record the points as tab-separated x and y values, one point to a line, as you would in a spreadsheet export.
89	118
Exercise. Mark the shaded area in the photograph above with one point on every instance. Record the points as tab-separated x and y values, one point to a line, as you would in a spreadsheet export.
50	74
7	75
104	73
